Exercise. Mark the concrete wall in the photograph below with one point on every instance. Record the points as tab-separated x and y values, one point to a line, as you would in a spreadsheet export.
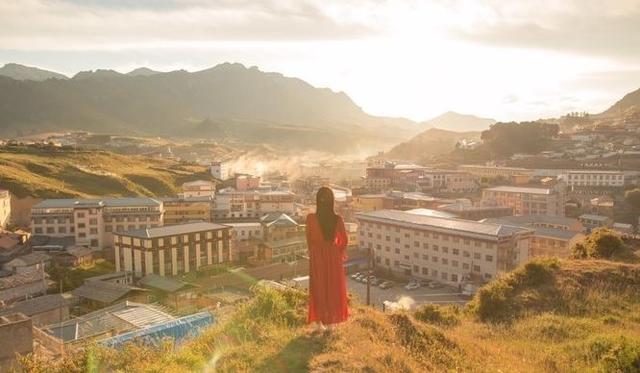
16	336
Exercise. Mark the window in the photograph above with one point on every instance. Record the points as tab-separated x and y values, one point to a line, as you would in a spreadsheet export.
387	238
476	268
386	261
397	250
477	243
435	248
81	225
488	258
50	230
378	259
407	235
425	271
425	246
476	256
82	235
378	247
445	261
425	257
455	251
434	259
38	230
487	275
108	228
445	249
416	244
466	254
396	263
454	263
81	214
465	265
93	221
454	277
93	230
397	240
434	273
416	255
416	269
444	276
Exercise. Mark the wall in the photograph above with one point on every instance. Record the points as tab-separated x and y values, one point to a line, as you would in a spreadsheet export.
16	336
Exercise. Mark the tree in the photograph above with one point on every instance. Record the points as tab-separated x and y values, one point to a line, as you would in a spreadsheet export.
600	244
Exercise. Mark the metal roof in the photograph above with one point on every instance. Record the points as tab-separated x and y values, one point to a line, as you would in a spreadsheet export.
533	219
103	291
41	304
594	217
107	202
527	190
172	230
163	283
467	226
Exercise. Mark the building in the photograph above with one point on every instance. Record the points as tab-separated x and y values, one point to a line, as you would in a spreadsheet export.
28	263
172	250
92	222
593	178
397	200
444	249
43	310
527	200
5	208
220	170
447	182
245	237
16	337
591	221
284	240
22	286
247	182
233	204
469	212
198	188
495	171
391	175
187	210
553	235
99	294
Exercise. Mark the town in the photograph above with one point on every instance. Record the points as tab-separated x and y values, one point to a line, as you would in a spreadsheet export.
113	269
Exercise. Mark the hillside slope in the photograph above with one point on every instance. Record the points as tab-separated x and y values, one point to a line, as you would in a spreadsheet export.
453	121
21	72
629	103
268	334
56	173
430	143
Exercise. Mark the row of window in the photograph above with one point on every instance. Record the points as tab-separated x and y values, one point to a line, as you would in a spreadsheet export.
425	271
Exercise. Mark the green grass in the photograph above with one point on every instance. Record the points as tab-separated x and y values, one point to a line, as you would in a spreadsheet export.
51	173
73	277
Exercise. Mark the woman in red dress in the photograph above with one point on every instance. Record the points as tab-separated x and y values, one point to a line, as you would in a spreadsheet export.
326	241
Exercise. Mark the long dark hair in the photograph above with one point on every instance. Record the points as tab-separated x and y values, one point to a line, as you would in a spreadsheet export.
327	217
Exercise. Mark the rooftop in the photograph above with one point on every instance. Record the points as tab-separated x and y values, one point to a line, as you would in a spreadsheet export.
28	260
166	284
103	291
533	219
20	279
429	212
172	230
41	304
526	190
107	202
594	217
467	226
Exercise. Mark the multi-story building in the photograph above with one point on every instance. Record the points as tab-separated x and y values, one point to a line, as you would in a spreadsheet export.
495	171
92	222
283	239
247	182
187	210
5	208
198	188
527	200
391	175
444	249
235	204
470	212
553	235
593	178
396	200
220	170
592	221
172	250
447	181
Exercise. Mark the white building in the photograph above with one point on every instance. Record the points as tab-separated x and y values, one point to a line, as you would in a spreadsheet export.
593	178
5	208
236	204
444	249
198	188
220	170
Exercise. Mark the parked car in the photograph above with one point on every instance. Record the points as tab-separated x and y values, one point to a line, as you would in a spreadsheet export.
424	282
375	281
435	285
469	290
355	275
386	285
361	277
412	286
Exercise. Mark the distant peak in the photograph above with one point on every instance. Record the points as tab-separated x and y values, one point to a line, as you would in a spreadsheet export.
142	71
99	73
22	72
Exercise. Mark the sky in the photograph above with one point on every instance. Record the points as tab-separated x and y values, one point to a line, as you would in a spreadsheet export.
501	59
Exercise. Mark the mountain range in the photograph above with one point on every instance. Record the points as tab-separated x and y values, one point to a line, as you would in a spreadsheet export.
453	121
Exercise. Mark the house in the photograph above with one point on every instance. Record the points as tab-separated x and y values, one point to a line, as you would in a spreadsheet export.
74	256
592	221
623	229
99	294
43	310
28	263
22	286
169	288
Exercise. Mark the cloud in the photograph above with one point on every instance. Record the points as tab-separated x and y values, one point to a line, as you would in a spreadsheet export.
591	27
56	24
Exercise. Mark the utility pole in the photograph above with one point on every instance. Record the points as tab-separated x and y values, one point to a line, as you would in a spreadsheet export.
368	274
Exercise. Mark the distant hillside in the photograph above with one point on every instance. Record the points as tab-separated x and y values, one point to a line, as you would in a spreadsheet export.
561	316
630	102
53	173
430	143
458	122
21	72
143	71
226	100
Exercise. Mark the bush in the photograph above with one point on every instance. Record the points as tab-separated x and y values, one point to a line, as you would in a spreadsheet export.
600	244
438	315
614	354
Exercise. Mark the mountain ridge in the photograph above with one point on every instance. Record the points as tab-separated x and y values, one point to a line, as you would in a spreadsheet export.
21	72
454	121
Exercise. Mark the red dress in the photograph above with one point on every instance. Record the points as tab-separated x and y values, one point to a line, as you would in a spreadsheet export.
327	283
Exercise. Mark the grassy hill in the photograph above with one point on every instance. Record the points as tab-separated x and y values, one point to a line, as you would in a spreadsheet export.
547	316
51	173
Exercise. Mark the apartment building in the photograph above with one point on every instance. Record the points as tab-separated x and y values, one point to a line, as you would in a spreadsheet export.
247	182
402	176
172	250
444	249
283	239
92	222
592	221
198	188
187	210
236	204
495	171
553	235
447	181
527	200
397	201
5	208
220	170
593	178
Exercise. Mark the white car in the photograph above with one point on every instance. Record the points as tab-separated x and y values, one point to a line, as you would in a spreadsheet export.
412	286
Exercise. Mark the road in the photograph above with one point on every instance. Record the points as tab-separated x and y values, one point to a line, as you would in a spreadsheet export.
410	298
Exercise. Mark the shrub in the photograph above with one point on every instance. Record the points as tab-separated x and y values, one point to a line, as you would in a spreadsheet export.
438	315
614	354
600	244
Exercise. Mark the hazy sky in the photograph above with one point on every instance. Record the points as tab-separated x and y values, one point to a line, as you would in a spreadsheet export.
509	60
